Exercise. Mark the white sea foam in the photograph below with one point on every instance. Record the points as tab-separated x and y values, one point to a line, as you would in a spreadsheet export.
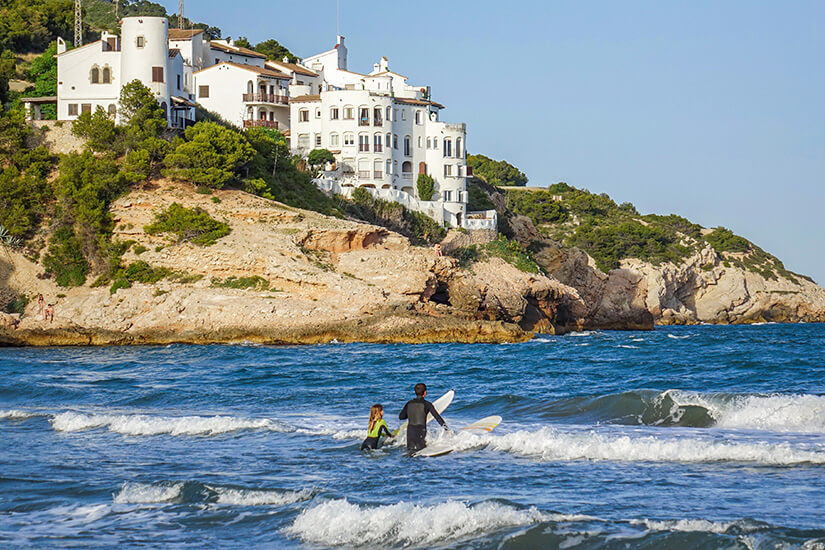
687	525
548	444
675	337
583	333
145	493
16	414
628	346
141	424
256	497
786	413
340	523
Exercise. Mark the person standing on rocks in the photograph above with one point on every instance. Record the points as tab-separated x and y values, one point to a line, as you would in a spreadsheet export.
48	313
416	412
438	252
41	303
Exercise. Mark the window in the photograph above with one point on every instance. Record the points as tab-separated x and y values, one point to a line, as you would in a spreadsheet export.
157	74
389	166
178	78
388	114
95	76
448	170
333	113
112	110
363	169
429	143
395	142
448	195
348	165
107	75
389	140
363	116
403	114
317	113
317	140
448	147
419	141
303	115
303	141
377	169
406	167
140	42
435	143
348	112
458	148
377	146
349	138
407	146
363	143
418	117
333	140
85	108
72	109
376	116
203	91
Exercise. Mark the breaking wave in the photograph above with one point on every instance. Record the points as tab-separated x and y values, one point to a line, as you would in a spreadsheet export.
548	444
16	414
195	492
341	523
141	424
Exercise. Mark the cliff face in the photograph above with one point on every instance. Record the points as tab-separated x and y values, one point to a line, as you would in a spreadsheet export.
325	279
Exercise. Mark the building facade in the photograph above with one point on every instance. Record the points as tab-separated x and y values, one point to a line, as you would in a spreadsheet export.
383	133
92	75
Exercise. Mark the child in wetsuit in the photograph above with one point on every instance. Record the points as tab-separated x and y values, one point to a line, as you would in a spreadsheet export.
376	428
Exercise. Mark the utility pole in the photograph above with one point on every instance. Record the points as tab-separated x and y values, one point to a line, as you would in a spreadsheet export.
117	6
180	14
78	24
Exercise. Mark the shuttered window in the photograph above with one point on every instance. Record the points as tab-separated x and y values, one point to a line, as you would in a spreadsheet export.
203	91
157	74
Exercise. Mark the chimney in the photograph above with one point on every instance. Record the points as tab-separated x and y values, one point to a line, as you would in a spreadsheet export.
61	45
285	59
384	64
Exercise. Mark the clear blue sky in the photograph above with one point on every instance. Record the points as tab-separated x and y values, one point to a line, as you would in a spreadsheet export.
711	109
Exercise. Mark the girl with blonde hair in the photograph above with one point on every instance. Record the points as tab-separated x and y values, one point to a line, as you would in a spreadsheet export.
376	428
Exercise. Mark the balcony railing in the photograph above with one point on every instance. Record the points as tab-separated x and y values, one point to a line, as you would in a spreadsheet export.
378	174
407	175
363	147
378	148
266	98
377	122
363	174
260	124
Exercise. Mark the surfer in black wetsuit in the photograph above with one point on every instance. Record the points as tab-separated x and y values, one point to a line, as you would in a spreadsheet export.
416	412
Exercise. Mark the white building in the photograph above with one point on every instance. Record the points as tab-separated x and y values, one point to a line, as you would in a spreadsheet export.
248	96
383	133
92	75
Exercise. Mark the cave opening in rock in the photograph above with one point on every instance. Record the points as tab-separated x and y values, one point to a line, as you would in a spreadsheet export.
442	294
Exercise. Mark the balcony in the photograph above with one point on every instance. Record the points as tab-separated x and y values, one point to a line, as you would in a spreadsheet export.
378	175
363	174
406	175
377	122
261	124
266	98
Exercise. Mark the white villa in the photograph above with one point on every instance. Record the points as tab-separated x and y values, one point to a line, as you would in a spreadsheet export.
92	75
382	131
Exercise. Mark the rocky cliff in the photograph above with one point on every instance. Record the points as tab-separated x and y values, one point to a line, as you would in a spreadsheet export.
282	275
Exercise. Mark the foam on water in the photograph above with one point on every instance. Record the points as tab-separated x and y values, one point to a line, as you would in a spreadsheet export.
341	523
146	493
685	525
257	497
16	414
141	424
548	444
794	413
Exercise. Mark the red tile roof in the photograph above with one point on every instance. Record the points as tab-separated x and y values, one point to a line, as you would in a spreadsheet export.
183	34
305	98
237	50
300	69
260	70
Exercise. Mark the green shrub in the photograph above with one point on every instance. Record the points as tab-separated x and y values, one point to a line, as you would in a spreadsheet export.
478	199
539	206
97	128
122	282
211	155
64	259
139	249
425	186
188	224
17	305
254	282
319	157
420	228
496	172
677	223
510	251
724	240
142	272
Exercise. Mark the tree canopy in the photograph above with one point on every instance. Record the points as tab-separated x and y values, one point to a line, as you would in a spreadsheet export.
496	172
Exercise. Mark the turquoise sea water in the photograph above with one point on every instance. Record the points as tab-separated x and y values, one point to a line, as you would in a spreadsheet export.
691	437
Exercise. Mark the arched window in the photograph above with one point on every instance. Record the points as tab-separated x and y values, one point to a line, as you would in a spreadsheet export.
95	76
112	110
364	169
458	148
333	140
406	167
389	141
407	146
165	112
429	143
388	114
363	116
435	143
377	145
303	115
448	147
333	113
377	169
419	141
395	141
348	112
389	166
107	75
317	113
349	138
418	117
250	87
377	119
363	143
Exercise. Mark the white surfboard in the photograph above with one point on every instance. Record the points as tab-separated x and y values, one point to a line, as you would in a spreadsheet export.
440	405
447	445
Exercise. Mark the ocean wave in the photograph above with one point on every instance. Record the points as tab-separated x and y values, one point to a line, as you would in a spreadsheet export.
341	523
685	525
548	444
258	497
16	414
677	337
147	493
141	424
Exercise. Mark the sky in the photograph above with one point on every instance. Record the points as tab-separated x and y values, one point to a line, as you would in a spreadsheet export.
710	109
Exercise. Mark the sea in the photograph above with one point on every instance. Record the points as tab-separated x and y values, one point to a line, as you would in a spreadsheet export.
683	437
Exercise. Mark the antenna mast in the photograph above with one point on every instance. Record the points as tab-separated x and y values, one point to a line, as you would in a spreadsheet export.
78	24
338	17
180	14
117	6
